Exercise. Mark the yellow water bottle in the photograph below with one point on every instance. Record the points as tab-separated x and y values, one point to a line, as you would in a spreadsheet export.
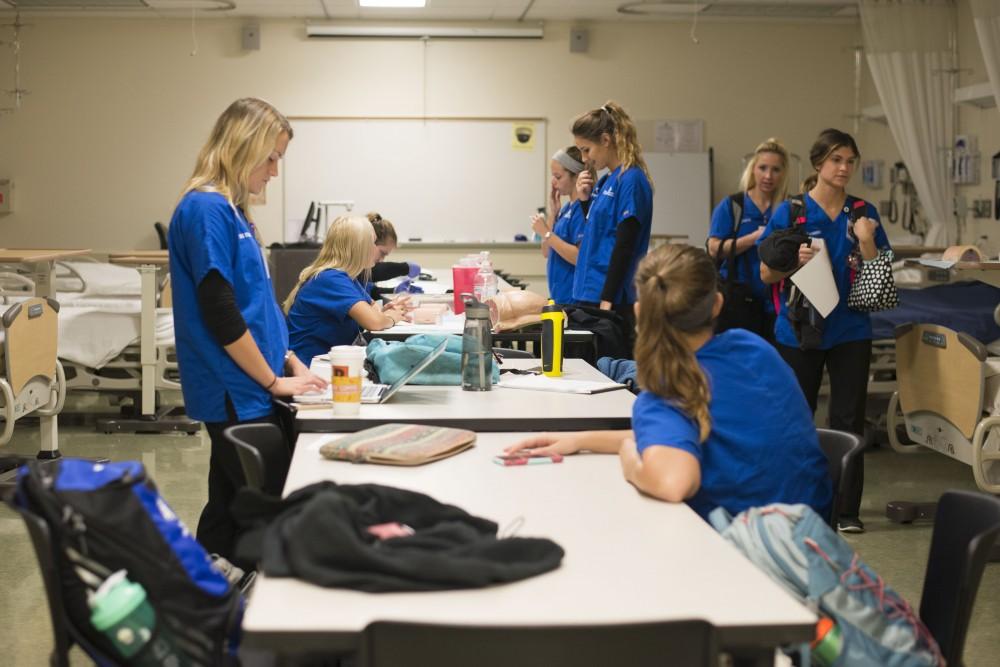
553	319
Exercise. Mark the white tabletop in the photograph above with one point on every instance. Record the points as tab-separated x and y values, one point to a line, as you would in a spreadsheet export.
442	282
496	410
452	324
628	558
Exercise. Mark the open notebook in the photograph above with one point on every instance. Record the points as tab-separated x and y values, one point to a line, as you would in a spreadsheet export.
399	444
543	383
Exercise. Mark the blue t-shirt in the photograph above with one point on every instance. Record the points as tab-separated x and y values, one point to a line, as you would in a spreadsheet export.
319	319
763	447
569	227
208	233
842	325
617	197
748	262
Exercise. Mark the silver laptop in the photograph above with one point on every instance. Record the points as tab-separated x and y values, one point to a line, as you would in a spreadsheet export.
380	393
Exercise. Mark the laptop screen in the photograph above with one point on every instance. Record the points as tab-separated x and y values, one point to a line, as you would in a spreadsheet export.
415	369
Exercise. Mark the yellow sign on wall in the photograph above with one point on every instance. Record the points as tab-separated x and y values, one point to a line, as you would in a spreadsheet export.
523	136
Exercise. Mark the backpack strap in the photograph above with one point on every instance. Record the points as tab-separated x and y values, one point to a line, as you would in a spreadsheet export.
736	204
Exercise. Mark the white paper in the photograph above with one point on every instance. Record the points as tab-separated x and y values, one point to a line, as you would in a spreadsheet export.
679	136
544	383
815	279
936	263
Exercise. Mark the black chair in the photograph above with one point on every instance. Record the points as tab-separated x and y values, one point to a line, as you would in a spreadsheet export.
842	450
264	455
966	529
680	644
161	232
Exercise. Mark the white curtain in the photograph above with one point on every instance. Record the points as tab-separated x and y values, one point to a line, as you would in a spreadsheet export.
986	16
907	45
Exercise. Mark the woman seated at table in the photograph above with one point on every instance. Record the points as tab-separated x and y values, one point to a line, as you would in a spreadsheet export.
721	420
329	305
386	241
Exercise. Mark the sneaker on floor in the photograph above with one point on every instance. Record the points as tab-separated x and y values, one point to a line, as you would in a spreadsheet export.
850	524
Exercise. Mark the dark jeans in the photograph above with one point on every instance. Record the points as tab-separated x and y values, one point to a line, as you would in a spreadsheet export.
217	531
847	365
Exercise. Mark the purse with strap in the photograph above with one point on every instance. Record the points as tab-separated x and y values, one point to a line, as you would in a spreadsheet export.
741	309
873	287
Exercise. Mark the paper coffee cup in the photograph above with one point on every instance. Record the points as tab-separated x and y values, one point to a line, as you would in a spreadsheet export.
346	364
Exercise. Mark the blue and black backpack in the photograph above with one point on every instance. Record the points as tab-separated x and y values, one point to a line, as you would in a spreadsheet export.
103	518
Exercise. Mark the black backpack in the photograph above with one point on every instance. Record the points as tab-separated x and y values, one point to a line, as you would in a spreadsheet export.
108	517
741	308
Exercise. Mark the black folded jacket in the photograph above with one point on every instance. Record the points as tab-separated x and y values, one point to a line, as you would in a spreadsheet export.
320	534
780	250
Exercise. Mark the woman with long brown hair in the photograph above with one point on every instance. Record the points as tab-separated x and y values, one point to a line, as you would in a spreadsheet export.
708	429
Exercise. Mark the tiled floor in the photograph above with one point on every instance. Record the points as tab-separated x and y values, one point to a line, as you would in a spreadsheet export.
179	465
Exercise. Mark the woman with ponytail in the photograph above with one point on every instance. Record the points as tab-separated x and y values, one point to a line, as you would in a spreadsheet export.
762	188
232	345
562	230
708	429
619	211
845	347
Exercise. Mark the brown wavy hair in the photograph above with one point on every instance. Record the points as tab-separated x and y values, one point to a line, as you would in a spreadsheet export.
677	288
384	231
828	141
611	119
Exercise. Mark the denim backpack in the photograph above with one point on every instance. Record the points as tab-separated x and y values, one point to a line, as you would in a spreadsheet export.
109	517
796	548
393	359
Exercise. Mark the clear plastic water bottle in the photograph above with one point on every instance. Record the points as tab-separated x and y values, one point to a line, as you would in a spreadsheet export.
477	348
485	285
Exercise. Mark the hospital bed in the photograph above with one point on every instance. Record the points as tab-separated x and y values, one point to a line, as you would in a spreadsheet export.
949	399
32	381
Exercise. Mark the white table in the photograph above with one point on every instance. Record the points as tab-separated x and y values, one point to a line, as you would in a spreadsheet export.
442	283
629	559
496	410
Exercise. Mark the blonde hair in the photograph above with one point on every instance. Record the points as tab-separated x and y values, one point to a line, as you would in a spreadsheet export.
348	247
676	287
241	141
826	143
384	231
748	180
611	119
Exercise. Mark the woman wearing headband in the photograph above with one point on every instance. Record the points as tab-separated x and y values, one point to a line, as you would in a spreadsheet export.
709	429
562	231
619	212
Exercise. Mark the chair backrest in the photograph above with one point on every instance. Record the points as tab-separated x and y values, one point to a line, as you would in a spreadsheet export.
161	232
30	342
678	643
264	455
842	450
966	526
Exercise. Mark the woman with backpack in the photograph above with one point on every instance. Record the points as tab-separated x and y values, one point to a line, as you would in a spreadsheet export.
562	231
232	344
693	438
737	223
848	229
619	211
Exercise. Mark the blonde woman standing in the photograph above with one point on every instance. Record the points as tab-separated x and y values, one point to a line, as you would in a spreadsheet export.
693	439
762	187
232	345
330	305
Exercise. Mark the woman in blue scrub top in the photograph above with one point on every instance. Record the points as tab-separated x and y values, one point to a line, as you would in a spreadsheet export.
846	345
232	345
330	305
619	211
762	187
709	427
562	232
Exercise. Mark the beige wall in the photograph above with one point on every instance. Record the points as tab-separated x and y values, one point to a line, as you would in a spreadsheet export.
118	107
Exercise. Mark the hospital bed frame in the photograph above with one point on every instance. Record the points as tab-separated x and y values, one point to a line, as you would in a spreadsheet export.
33	382
942	385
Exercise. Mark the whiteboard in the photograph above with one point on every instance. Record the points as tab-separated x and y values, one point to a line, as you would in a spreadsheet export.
436	180
682	197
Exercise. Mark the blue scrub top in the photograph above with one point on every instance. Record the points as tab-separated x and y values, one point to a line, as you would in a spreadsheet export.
618	196
208	233
569	227
748	262
319	319
842	325
763	447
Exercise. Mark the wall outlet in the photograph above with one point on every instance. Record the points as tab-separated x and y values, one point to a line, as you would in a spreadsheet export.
981	208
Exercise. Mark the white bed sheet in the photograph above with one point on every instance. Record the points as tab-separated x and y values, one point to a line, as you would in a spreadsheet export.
101	279
93	334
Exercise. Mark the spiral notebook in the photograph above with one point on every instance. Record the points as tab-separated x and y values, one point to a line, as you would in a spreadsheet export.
399	444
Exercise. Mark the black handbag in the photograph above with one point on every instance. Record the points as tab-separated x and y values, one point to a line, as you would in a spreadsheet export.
874	287
741	309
